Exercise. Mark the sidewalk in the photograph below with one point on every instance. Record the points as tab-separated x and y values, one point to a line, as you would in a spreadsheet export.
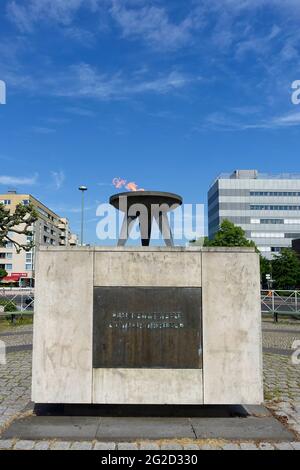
282	396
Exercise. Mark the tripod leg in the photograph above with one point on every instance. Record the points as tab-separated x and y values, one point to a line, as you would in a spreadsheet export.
164	228
145	228
128	221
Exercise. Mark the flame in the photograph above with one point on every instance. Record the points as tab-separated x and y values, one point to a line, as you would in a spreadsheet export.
132	187
121	183
118	182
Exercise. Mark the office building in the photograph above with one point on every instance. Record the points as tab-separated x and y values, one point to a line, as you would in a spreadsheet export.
267	207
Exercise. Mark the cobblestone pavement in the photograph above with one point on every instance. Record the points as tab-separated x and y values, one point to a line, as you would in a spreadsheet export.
280	335
282	395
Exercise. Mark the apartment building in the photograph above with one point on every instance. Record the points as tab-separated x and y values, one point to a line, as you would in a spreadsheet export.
49	229
267	207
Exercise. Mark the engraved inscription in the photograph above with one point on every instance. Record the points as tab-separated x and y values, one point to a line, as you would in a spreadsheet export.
153	321
147	327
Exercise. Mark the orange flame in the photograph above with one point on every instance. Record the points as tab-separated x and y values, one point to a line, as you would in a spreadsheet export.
121	183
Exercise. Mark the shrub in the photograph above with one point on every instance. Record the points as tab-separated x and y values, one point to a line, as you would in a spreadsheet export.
9	305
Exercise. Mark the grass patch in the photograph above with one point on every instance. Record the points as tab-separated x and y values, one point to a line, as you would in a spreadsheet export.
7	324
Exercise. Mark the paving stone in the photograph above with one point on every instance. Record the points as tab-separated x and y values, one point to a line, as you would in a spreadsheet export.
208	447
266	446
248	446
231	447
24	445
84	445
6	444
61	445
295	445
105	446
283	446
42	445
191	447
171	446
149	446
127	446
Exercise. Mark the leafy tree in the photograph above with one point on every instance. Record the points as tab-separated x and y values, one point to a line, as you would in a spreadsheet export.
229	235
286	269
18	222
3	273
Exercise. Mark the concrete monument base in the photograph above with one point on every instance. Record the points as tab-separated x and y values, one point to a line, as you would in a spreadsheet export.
147	326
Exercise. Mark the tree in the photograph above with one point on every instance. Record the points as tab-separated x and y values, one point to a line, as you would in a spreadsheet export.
3	273
286	269
229	235
18	222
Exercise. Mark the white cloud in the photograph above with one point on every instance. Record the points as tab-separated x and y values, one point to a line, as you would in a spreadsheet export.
219	121
26	16
18	180
153	24
42	130
135	19
80	111
83	80
58	178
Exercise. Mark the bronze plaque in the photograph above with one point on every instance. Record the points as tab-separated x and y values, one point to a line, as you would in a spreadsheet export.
148	327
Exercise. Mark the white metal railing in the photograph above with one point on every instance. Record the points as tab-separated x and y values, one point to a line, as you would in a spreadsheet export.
280	302
19	301
16	301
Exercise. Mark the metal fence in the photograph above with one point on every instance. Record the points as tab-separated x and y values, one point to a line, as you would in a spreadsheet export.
16	302
281	303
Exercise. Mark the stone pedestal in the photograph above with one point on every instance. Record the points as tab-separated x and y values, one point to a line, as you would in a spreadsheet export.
147	326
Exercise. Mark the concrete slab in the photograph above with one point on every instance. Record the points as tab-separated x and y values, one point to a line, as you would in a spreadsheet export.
241	428
53	427
258	411
124	429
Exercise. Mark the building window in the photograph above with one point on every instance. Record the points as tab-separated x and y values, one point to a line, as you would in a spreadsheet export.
25	202
8	244
2	255
255	221
267	235
41	211
292	221
28	257
264	248
275	193
8	267
271	221
6	202
9	255
28	266
274	208
275	249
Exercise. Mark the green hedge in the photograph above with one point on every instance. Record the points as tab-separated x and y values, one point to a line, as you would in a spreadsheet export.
9	305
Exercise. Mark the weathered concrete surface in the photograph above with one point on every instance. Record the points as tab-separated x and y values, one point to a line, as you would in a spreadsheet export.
240	428
148	386
54	427
62	364
116	429
62	340
148	267
232	351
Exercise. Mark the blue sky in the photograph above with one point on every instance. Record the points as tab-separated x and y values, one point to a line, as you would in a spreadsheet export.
167	94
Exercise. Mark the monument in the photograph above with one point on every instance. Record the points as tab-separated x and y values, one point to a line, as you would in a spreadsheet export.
147	325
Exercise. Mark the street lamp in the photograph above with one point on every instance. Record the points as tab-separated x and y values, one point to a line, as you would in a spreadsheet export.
82	189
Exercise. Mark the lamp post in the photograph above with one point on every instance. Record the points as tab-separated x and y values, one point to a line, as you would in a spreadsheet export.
82	189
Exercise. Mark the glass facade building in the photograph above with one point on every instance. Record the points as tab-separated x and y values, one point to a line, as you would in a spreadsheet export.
267	207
